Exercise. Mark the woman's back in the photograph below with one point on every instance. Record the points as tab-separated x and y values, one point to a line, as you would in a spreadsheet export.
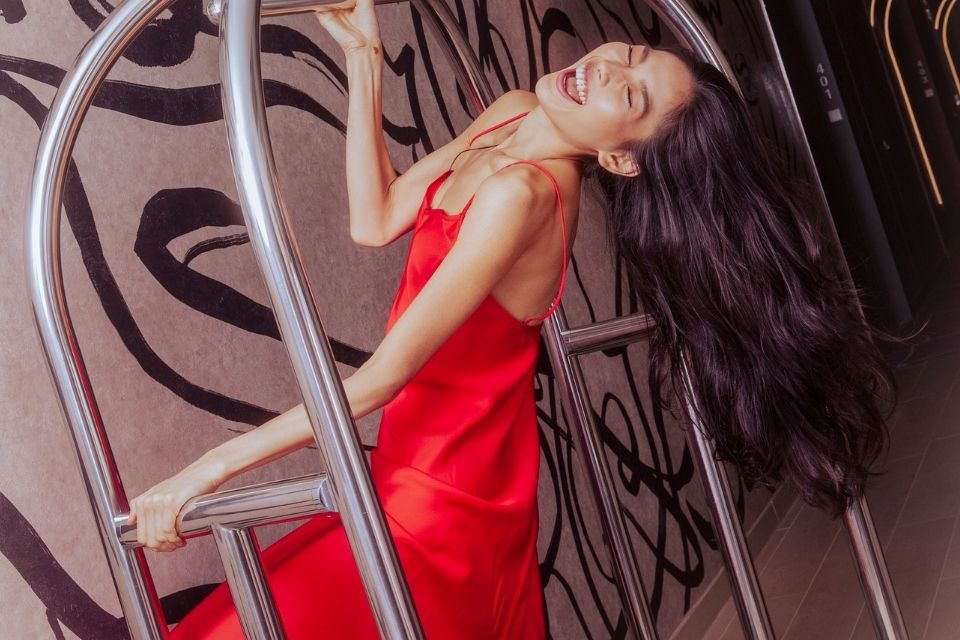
456	468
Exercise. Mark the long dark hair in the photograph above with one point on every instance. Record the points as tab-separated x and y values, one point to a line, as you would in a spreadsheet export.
726	253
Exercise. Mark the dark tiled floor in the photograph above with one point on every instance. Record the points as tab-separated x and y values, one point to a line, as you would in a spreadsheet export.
806	569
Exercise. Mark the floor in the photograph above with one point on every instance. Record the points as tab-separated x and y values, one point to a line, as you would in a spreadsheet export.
806	570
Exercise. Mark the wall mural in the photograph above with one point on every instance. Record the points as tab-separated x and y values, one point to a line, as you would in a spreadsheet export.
170	235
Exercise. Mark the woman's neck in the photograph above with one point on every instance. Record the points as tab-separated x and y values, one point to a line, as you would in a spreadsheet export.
536	139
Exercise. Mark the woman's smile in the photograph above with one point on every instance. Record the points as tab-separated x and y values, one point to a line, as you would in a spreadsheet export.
574	83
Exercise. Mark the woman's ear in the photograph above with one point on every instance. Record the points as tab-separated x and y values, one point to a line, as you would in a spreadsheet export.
618	162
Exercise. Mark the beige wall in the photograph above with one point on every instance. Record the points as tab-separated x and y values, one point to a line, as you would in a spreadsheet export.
177	369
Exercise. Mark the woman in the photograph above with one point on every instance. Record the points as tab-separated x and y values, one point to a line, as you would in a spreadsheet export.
730	266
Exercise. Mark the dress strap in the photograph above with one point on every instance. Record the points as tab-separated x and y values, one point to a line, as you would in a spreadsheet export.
497	126
563	235
449	170
485	131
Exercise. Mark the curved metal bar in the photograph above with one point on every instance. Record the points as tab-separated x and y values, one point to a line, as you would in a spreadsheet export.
52	318
251	506
872	571
864	544
301	328
744	583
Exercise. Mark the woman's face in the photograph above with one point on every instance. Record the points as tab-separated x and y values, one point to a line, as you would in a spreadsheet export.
625	91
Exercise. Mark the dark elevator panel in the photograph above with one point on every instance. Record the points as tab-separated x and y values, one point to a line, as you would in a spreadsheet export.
881	205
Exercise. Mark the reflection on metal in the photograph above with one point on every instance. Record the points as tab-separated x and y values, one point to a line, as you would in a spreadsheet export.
58	338
872	572
270	8
230	514
607	334
744	583
279	258
251	506
256	609
888	43
944	28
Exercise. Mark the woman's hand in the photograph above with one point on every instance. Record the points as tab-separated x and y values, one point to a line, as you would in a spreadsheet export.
352	23
156	511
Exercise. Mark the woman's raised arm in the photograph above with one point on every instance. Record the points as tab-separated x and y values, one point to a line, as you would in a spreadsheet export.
368	167
383	204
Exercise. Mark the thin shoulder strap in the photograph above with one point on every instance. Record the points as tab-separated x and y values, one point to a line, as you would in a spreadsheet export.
487	130
563	235
497	126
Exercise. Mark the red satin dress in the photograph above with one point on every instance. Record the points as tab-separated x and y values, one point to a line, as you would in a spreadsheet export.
455	466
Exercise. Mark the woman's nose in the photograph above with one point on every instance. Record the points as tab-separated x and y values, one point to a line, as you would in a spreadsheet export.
607	71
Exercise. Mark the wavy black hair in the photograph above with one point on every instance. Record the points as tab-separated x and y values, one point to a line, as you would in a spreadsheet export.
732	259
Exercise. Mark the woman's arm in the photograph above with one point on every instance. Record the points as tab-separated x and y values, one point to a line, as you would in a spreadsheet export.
155	511
506	216
369	171
383	204
368	167
511	209
367	389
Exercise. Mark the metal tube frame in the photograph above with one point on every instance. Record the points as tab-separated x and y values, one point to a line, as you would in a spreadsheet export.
754	618
228	513
256	609
301	327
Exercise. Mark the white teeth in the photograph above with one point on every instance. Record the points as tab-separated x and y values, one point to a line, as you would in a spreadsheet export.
581	84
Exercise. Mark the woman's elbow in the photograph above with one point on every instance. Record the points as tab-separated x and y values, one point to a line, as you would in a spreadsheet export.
366	239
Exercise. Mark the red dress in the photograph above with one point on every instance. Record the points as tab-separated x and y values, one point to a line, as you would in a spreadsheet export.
456	468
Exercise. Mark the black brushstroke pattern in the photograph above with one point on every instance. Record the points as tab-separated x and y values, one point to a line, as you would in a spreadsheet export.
64	600
170	213
12	11
84	229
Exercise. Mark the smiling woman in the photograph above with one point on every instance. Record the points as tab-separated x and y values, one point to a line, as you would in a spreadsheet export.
720	253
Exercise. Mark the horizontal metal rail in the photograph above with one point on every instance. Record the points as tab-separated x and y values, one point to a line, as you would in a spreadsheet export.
269	8
230	514
607	334
251	506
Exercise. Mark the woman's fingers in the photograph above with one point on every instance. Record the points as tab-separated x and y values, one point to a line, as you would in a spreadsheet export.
155	517
149	518
353	26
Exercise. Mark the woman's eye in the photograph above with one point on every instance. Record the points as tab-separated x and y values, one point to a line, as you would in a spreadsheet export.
629	96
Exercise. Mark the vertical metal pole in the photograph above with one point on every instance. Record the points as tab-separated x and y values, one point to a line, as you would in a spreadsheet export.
256	610
281	265
867	551
466	66
744	584
872	571
576	403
